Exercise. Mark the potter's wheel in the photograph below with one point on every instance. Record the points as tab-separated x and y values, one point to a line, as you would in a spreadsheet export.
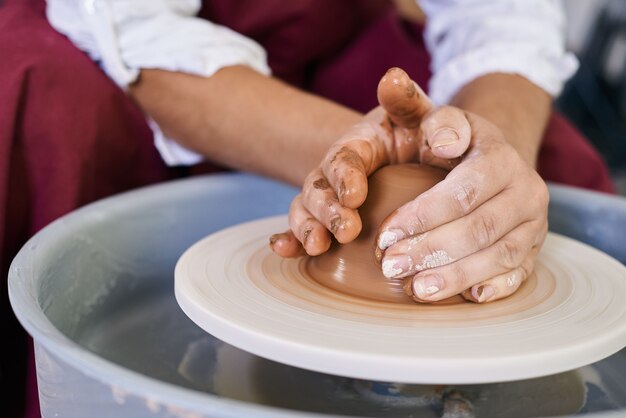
570	313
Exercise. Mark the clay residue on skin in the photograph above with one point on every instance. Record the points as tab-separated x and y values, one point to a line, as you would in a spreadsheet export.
387	239
390	269
410	90
305	236
348	156
341	192
511	280
436	259
467	195
321	184
418	238
466	198
430	290
334	224
274	238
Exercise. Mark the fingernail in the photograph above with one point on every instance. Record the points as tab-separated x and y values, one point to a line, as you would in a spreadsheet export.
397	266
274	238
443	137
425	287
483	293
387	238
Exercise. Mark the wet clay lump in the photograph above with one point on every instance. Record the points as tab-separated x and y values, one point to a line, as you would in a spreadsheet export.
352	268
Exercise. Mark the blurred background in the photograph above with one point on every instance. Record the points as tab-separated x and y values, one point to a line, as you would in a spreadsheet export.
595	98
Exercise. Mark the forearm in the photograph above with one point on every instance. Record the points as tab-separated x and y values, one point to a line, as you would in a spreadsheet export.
515	105
244	120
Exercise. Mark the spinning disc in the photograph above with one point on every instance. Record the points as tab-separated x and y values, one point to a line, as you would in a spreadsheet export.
569	313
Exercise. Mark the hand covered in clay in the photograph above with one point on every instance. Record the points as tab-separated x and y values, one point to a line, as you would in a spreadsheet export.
475	233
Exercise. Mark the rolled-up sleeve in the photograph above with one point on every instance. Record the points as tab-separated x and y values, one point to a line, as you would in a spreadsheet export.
470	38
125	36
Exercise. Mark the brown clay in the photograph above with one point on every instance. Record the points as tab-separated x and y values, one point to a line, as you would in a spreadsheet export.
352	268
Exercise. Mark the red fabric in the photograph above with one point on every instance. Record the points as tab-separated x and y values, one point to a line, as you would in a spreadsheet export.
297	34
351	76
566	157
69	136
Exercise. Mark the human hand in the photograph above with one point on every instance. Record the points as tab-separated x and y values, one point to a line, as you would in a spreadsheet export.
476	233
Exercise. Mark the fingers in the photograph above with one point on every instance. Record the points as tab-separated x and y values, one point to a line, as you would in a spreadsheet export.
313	215
314	237
320	200
449	277
405	102
286	245
466	188
447	132
445	129
503	285
474	232
347	172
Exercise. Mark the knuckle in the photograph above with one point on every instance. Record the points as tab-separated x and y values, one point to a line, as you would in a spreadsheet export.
418	224
540	193
543	195
295	211
347	156
417	219
459	278
330	203
508	254
465	197
304	233
483	231
541	231
430	257
308	189
295	203
527	269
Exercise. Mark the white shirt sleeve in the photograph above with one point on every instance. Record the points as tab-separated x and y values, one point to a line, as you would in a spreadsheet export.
124	36
471	38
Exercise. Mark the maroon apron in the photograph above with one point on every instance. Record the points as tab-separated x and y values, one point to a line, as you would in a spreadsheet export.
69	136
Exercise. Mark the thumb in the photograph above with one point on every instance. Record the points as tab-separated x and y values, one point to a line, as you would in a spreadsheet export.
403	100
447	132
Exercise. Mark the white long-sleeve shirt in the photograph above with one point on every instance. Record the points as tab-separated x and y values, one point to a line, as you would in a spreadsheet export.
466	39
471	38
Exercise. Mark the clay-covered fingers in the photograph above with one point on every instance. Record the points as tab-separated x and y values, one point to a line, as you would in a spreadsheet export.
347	165
320	200
403	100
471	233
444	131
453	198
313	236
449	277
286	245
